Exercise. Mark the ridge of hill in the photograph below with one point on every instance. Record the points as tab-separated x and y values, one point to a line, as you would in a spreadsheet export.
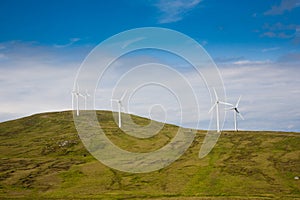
41	156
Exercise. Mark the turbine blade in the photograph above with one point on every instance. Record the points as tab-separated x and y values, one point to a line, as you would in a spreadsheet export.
86	93
121	99
224	103
237	103
241	116
216	94
232	108
212	107
116	100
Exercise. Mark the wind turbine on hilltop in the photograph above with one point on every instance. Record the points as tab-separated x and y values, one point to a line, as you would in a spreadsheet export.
216	105
86	95
120	105
76	93
235	113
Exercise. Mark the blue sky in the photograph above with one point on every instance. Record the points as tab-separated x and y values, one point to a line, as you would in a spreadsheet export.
250	23
256	45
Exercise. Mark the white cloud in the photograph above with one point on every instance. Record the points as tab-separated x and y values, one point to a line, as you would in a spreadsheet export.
39	80
250	62
279	26
71	42
129	42
268	94
35	79
28	89
174	10
2	56
285	5
270	49
291	57
280	30
281	35
204	43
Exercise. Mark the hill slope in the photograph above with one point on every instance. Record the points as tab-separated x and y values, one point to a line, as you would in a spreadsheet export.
41	156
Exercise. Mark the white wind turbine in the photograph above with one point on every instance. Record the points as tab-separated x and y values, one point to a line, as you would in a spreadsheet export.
86	95
120	106
216	105
76	94
235	113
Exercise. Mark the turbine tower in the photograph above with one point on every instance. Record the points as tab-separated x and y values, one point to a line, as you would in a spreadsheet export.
235	113
76	93
120	106
216	105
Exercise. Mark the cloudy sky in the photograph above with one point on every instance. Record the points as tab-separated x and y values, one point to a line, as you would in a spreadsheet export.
255	44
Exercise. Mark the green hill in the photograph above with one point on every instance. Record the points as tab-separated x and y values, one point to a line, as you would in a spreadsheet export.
41	156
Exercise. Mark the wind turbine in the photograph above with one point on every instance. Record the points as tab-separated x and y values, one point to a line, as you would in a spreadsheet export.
216	105
76	94
236	112
119	102
86	95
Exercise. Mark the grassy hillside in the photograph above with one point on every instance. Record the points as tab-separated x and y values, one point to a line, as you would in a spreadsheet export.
41	156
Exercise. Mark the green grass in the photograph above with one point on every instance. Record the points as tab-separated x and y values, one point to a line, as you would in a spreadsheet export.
37	162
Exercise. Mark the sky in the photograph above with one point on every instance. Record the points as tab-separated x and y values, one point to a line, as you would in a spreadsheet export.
255	45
